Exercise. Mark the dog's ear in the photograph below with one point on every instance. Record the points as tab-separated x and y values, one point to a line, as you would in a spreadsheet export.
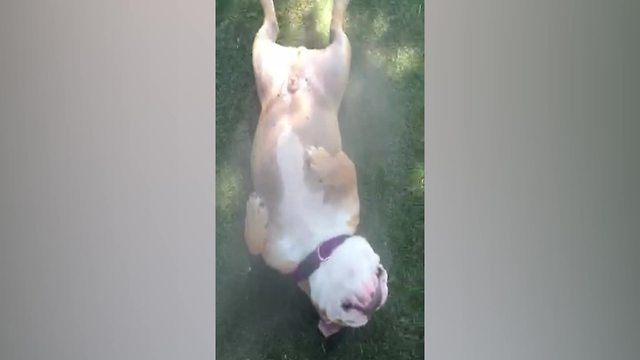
384	278
328	328
383	272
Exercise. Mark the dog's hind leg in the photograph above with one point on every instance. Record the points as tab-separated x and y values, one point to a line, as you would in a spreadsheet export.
256	224
268	57
335	61
269	29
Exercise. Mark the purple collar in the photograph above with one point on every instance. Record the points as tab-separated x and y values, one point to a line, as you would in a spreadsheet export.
312	262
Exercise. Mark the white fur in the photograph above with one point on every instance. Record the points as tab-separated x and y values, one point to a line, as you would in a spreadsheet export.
306	221
350	270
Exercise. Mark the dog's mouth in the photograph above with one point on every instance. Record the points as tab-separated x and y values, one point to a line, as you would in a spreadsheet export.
370	308
329	327
375	302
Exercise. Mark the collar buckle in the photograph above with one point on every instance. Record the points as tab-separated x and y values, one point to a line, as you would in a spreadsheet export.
322	259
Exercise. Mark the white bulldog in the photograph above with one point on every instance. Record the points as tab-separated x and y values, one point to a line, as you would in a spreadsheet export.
303	215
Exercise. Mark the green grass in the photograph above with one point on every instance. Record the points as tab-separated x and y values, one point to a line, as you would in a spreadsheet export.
260	314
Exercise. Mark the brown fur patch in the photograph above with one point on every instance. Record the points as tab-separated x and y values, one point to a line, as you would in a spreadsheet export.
304	285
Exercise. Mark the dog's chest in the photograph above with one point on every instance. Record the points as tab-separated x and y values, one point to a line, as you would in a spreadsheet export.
304	218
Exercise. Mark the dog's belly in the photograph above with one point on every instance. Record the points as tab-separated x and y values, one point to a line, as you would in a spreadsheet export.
293	71
302	218
303	112
297	116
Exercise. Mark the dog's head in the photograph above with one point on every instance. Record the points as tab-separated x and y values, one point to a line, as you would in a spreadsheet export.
349	286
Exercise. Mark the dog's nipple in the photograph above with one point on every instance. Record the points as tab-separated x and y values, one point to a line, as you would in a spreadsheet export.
293	84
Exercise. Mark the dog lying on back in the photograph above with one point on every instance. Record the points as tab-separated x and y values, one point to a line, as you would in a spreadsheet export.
304	211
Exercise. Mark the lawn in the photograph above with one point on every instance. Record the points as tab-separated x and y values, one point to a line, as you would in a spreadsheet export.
260	314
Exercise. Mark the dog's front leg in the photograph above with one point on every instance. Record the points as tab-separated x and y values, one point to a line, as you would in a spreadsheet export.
332	171
256	224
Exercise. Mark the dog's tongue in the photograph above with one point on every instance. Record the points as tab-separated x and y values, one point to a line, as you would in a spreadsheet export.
328	328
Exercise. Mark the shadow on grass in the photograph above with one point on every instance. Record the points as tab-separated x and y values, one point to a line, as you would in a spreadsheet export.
260	314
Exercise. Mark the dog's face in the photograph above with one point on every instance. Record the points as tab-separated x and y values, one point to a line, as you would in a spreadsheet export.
349	286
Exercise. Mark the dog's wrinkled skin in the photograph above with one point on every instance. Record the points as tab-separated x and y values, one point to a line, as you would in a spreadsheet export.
305	185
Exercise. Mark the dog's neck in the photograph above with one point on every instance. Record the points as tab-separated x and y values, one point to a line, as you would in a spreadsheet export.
313	261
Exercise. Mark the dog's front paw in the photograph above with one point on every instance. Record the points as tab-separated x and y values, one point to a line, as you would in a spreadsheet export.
256	224
319	162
